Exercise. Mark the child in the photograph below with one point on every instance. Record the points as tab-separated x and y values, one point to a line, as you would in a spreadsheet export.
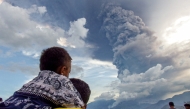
187	105
51	88
83	89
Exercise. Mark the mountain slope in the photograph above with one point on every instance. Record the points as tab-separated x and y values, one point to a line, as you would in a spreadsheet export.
177	99
132	104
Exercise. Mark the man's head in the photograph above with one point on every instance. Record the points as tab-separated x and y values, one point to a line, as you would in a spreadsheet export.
56	59
83	88
171	104
187	105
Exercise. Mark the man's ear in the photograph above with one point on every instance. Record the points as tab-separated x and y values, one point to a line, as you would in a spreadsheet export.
63	70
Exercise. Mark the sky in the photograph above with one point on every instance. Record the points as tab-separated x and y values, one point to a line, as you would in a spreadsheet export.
123	49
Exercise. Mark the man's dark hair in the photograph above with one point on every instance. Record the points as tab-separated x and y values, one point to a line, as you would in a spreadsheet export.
54	57
171	103
83	88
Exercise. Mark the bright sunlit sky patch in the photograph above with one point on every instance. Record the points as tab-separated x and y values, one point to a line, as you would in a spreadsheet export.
179	31
1	1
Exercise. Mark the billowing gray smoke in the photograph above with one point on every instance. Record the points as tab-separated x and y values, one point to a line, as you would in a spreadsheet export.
130	39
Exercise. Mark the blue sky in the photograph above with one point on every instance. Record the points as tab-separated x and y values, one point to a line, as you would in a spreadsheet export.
123	49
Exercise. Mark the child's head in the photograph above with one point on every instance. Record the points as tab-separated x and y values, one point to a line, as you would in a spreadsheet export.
83	88
187	105
171	104
56	59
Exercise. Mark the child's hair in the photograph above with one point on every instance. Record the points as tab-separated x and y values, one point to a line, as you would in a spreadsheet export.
171	103
83	88
54	57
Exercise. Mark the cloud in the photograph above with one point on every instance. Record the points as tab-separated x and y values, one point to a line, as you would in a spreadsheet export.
77	33
174	46
105	96
21	67
150	75
18	31
77	71
76	68
22	34
34	54
77	28
42	9
5	53
35	9
137	86
143	81
106	64
63	42
1	1
93	66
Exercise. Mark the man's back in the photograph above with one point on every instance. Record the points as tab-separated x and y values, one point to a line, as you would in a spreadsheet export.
50	87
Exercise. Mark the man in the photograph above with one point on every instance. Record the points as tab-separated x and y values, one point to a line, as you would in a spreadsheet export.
51	88
187	105
171	104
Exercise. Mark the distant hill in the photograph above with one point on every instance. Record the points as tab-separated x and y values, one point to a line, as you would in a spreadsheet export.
177	99
177	107
100	104
104	104
132	104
